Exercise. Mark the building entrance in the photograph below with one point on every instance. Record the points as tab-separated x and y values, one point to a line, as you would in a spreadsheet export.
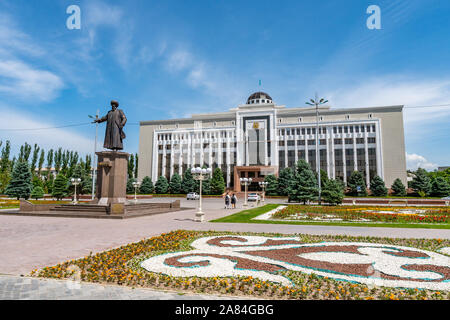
257	173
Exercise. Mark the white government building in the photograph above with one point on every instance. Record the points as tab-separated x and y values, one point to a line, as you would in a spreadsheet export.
260	138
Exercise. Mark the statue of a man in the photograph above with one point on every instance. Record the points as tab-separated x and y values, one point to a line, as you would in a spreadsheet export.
114	127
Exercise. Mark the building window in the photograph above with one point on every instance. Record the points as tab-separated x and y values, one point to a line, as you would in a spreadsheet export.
347	116
337	141
322	142
215	124
370	116
311	142
279	120
348	141
160	126
299	119
371	140
300	142
320	118
359	140
233	123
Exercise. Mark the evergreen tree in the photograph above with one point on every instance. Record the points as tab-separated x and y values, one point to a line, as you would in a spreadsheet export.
41	162
37	193
378	187
130	187
421	183
86	185
188	184
60	187
398	188
286	180
4	158
136	166
58	160
146	186
161	186
37	182
35	158
20	185
333	192
131	166
48	184
304	187
175	184
272	185
440	187
357	180
49	163
217	182
206	186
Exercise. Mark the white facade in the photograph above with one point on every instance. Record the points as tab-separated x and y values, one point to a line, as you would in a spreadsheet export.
261	133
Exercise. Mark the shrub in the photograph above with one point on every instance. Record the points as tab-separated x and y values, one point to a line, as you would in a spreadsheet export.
37	193
217	182
421	182
161	186
304	188
146	186
357	180
272	185
398	188
378	188
20	184
175	183
333	192
286	180
60	187
440	187
188	183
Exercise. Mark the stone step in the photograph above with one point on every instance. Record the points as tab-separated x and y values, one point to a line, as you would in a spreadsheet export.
81	208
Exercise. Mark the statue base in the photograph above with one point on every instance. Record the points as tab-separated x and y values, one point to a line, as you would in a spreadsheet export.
112	172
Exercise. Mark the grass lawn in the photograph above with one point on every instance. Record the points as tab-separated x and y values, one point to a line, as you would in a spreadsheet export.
247	215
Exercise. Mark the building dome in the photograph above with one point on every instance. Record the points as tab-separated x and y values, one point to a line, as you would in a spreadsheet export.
259	98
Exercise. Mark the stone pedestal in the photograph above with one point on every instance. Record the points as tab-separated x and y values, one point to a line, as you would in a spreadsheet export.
112	177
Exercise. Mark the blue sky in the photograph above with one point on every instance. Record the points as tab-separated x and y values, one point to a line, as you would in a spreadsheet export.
166	59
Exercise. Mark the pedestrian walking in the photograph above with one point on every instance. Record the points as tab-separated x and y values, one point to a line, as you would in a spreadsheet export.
227	201
233	201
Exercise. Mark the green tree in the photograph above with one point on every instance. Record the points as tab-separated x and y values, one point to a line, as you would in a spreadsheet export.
131	166
5	165
286	180
421	183
35	158
332	192
272	185
146	186
58	159
398	188
357	180
206	186
161	186
49	162
37	193
20	185
25	151
130	187
378	187
175	184
48	183
136	166
60	187
188	183
217	182
41	162
304	187
440	187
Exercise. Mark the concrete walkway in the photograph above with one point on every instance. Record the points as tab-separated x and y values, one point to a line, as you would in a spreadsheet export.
24	288
29	243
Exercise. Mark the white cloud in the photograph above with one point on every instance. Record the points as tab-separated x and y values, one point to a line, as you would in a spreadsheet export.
415	161
48	138
23	81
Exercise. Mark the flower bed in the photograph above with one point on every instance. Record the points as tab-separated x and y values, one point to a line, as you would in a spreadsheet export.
365	214
263	265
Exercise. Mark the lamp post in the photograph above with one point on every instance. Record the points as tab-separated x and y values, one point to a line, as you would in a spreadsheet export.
200	174
245	182
263	185
136	185
95	151
316	102
75	182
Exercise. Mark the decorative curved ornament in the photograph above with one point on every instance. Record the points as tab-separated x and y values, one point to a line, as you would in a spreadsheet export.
264	257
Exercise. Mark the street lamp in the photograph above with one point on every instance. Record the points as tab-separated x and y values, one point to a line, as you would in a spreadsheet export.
316	102
95	151
75	182
136	185
246	182
263	185
200	174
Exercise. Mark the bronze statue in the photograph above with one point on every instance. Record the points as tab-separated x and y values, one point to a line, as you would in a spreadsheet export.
114	127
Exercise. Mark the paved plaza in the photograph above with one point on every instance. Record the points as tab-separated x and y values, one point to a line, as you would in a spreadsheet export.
30	243
25	288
